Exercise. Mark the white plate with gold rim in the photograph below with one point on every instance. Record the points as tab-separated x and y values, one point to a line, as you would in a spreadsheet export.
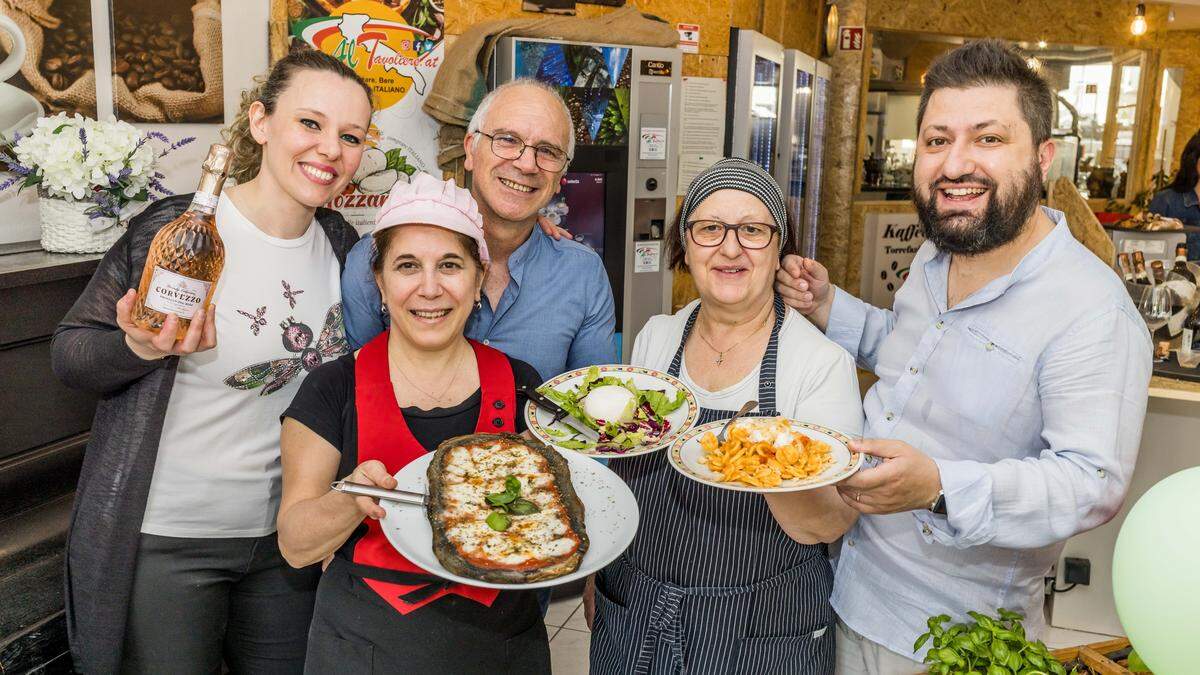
687	457
681	419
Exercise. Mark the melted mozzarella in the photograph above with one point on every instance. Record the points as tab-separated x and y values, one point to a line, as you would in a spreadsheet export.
472	474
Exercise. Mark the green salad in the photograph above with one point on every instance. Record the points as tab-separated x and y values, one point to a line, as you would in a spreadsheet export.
624	417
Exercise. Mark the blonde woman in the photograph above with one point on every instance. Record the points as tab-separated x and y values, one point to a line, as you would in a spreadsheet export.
172	560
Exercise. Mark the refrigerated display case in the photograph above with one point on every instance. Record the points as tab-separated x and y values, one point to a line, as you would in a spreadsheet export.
810	226
795	123
754	91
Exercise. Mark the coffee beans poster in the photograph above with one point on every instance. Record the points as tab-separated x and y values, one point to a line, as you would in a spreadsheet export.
48	62
166	60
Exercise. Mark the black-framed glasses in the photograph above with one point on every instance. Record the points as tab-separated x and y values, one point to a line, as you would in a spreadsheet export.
713	233
510	146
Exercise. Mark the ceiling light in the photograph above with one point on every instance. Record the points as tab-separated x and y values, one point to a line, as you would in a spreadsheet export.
1034	64
1041	44
1138	25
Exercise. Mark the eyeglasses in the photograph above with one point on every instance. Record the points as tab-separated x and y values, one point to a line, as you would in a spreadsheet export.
509	146
713	233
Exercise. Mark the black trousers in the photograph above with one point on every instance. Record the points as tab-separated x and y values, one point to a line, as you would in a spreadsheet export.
198	603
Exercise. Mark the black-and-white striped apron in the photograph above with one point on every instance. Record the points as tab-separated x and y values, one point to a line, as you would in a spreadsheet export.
711	584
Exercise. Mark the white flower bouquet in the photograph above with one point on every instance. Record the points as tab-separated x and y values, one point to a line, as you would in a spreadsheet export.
104	170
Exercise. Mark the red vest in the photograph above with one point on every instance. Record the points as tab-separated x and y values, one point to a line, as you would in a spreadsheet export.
384	435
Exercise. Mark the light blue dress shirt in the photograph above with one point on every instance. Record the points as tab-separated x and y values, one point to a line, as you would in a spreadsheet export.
1029	395
556	313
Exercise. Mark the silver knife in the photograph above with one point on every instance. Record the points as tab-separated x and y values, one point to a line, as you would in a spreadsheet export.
398	496
545	403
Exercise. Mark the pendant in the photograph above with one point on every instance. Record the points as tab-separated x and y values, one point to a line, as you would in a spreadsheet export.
720	357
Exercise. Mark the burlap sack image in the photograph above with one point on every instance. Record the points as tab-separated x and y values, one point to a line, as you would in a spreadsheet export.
167	60
57	69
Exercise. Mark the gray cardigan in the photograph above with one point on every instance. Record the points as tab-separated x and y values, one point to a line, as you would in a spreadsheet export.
89	353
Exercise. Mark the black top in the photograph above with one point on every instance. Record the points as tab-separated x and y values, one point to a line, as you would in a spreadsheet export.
326	404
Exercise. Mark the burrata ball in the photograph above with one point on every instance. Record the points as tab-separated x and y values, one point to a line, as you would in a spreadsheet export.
610	403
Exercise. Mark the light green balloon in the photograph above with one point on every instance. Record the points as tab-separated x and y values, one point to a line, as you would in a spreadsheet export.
1156	574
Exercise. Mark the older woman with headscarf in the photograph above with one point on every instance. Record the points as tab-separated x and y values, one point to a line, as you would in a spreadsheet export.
719	580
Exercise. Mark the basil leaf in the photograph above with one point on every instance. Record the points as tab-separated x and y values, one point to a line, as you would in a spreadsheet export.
522	507
920	642
1011	616
948	656
997	670
498	521
500	498
511	484
1000	651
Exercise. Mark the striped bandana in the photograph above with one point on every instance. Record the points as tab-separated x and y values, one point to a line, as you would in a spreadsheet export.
736	174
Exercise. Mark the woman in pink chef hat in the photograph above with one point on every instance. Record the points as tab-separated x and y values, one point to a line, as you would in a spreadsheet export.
365	416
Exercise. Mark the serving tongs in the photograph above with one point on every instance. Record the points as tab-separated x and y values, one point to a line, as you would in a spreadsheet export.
398	496
559	413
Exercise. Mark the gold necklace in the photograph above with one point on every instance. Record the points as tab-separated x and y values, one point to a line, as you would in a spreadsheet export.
721	352
453	378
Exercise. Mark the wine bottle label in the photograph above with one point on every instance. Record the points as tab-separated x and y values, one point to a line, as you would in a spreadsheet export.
176	294
203	201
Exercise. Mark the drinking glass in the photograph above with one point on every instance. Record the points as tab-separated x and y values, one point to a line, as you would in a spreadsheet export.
1155	306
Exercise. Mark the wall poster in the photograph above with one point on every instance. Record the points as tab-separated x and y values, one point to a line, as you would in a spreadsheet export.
166	61
890	242
396	46
157	64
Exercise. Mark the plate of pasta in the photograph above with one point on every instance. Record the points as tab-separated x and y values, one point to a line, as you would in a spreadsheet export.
765	454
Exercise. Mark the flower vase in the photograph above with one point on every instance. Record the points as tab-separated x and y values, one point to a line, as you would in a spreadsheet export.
67	228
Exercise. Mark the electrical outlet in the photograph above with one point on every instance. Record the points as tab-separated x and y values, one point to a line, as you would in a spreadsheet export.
1077	571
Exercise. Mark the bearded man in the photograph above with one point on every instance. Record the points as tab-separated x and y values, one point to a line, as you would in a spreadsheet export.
1013	372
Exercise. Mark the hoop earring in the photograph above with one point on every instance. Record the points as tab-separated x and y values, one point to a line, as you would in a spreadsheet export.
478	304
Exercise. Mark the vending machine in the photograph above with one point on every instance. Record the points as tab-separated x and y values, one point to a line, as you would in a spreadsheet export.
754	91
618	194
795	124
810	225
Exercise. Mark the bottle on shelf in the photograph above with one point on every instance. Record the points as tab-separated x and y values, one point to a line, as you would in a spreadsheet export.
1181	266
1139	270
1159	271
186	257
1191	331
1126	265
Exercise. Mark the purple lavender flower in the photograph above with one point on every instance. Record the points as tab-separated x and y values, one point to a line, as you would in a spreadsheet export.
83	142
157	185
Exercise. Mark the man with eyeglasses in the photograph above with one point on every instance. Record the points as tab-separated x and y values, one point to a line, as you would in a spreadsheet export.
546	301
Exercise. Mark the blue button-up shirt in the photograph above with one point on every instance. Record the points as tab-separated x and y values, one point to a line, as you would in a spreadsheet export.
556	313
1029	395
1182	205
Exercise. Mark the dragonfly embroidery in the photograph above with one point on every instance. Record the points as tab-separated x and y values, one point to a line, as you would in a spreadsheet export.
297	338
257	319
290	294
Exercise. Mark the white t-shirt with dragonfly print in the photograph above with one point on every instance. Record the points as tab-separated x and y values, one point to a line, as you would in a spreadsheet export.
278	317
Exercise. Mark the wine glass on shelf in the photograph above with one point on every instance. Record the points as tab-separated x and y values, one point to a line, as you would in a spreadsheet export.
1155	306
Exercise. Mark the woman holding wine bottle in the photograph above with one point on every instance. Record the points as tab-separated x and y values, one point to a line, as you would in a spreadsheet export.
172	559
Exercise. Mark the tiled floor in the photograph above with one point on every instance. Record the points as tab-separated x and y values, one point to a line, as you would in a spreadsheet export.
569	636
